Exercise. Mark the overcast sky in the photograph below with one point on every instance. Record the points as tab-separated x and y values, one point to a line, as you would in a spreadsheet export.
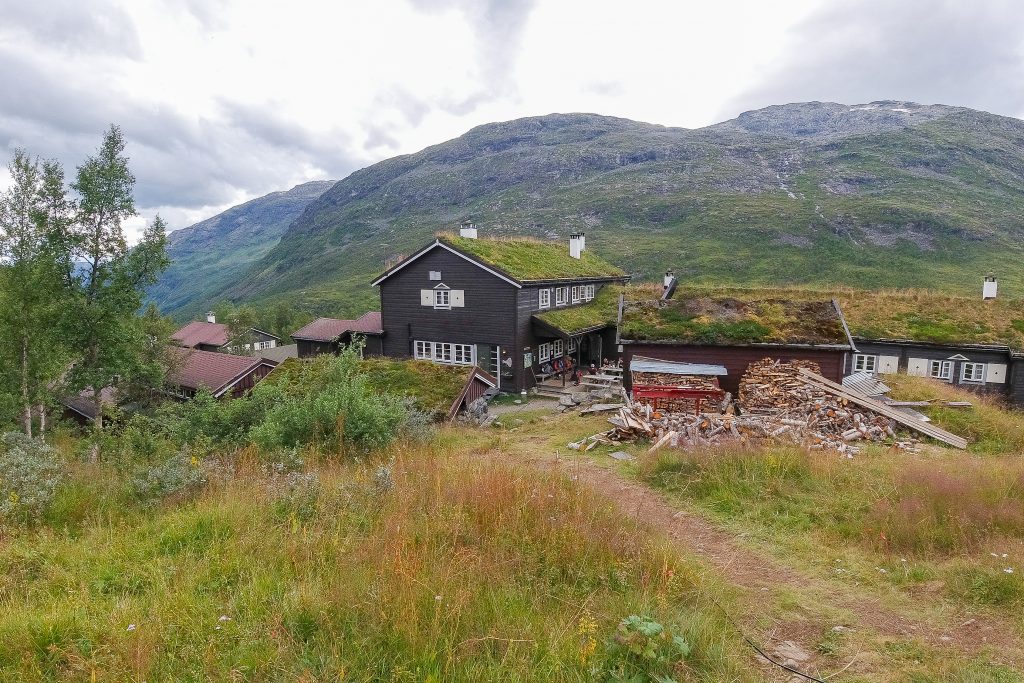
225	100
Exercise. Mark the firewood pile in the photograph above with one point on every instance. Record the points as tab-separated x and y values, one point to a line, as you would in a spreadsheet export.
664	379
775	404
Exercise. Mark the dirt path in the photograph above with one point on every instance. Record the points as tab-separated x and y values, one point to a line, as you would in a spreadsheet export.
753	572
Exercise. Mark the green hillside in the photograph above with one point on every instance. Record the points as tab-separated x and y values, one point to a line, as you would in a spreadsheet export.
212	255
889	194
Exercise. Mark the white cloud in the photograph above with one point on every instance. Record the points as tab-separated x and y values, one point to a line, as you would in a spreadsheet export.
223	101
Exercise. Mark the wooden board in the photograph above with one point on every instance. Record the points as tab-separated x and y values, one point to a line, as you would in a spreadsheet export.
882	409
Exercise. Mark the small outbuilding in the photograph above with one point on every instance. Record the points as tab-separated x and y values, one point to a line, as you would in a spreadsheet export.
331	335
731	333
222	374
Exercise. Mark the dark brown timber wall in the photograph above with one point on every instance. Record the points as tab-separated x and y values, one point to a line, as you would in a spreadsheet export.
736	358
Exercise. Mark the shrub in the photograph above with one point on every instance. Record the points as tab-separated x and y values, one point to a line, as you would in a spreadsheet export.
30	473
179	475
644	650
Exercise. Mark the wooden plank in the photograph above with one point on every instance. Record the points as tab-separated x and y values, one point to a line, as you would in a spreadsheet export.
882	409
601	407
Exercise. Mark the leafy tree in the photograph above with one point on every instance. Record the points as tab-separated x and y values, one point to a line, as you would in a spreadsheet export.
34	217
155	359
109	288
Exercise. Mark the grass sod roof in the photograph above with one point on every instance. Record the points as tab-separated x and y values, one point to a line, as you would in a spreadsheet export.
911	315
528	260
730	321
433	387
603	310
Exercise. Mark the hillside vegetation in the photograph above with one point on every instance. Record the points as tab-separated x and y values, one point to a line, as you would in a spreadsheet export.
890	195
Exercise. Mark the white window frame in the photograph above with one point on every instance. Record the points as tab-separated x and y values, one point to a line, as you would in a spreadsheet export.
442	298
588	292
572	345
557	348
944	369
543	352
865	362
544	298
576	296
462	354
559	296
977	374
442	352
423	350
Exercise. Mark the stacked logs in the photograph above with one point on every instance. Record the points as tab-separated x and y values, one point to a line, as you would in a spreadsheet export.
770	386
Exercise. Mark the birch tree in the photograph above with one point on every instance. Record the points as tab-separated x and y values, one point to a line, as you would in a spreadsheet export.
110	278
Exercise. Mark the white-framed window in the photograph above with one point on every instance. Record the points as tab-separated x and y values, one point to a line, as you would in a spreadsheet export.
442	352
572	344
435	275
545	298
557	348
462	354
559	296
972	372
442	298
576	296
424	350
544	352
863	362
588	292
941	369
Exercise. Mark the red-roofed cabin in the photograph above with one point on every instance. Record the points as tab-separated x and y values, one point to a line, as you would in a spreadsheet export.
222	374
330	335
210	335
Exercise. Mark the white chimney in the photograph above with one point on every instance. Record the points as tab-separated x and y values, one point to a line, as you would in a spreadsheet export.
669	278
577	241
210	317
988	290
468	230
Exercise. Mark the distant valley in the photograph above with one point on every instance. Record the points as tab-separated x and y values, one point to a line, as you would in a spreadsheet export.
879	195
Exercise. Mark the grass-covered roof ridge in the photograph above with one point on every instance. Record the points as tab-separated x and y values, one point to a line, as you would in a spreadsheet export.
728	320
907	314
529	259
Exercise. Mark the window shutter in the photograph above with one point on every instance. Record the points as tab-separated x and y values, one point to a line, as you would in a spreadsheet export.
996	373
888	365
426	297
918	367
458	299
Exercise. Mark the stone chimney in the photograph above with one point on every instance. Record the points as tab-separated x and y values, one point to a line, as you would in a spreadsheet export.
211	317
468	230
989	288
577	243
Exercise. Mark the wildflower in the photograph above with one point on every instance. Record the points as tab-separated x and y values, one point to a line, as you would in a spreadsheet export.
438	598
884	571
586	629
1008	570
131	627
223	617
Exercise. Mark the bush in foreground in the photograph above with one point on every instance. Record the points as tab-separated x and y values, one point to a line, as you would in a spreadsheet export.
30	473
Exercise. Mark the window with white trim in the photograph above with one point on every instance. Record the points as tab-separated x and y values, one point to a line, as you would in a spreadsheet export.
462	354
941	369
544	352
545	298
435	275
559	296
863	362
442	298
576	296
572	344
424	350
442	352
972	372
557	348
588	292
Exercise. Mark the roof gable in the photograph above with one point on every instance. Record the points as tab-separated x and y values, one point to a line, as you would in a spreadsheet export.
217	372
329	329
519	261
200	332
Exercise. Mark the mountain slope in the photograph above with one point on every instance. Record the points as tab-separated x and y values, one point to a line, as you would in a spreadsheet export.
211	255
889	194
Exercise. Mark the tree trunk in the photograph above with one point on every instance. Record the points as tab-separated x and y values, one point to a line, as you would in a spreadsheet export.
42	419
97	424
26	402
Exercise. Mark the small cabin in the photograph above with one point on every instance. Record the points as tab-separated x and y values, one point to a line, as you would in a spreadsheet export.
210	335
222	374
331	335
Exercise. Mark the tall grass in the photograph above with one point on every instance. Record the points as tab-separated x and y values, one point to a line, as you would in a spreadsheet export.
432	567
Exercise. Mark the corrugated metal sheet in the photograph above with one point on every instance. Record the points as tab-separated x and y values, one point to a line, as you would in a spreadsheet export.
644	364
865	383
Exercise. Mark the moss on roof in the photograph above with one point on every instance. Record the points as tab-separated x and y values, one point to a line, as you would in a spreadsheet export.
529	259
914	315
728	320
603	310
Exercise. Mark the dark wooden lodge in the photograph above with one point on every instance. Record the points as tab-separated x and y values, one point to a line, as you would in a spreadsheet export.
484	302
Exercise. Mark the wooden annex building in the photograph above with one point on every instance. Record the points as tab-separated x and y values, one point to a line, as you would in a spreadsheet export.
222	374
330	335
731	334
